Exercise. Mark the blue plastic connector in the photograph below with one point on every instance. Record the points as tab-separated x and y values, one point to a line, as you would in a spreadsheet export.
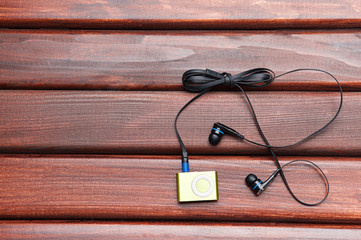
185	167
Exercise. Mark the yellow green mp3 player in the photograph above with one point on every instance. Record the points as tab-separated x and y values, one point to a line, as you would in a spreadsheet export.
197	186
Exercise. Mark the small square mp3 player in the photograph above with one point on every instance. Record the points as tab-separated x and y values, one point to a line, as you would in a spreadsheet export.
197	186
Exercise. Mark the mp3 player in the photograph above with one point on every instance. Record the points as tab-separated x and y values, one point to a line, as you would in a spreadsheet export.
197	186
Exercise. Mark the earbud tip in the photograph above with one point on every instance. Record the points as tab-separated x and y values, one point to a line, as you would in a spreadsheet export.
214	139
250	179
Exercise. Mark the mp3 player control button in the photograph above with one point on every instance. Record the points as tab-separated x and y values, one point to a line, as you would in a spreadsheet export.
202	185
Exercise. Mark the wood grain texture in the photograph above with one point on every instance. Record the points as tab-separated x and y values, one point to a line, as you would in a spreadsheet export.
177	230
126	60
142	122
144	187
200	14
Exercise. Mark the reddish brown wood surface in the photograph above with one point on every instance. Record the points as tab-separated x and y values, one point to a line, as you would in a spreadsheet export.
142	122
188	14
147	67
130	60
141	187
177	230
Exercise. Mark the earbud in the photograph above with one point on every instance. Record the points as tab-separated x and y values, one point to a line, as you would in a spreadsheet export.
219	130
256	184
253	182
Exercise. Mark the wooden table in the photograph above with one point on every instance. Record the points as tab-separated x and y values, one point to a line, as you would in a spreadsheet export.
89	94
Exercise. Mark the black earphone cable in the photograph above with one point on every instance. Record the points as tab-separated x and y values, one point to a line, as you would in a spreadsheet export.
270	148
315	132
185	164
202	81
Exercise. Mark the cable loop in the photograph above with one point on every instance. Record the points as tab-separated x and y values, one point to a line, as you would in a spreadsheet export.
197	80
228	79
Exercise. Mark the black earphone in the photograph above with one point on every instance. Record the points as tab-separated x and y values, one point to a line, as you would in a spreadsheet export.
253	182
202	81
219	130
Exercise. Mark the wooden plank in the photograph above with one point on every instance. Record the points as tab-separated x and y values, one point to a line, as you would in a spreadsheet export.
176	230
142	122
144	187
157	60
114	14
